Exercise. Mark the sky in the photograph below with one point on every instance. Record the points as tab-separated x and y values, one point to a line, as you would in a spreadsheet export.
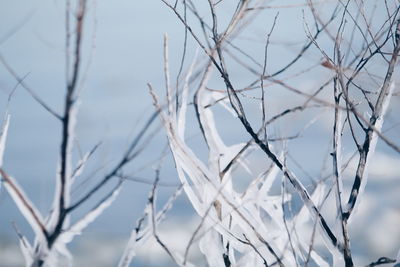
123	51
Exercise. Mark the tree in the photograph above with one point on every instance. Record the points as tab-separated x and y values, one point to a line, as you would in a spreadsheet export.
55	230
260	200
259	226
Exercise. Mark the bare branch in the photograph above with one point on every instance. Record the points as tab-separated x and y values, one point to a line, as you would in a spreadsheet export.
28	89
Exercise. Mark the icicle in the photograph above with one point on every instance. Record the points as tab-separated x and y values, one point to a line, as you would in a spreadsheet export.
77	228
25	206
3	138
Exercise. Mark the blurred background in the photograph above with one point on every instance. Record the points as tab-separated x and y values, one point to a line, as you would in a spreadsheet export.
122	52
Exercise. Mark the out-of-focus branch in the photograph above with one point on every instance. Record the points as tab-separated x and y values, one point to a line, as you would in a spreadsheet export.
25	205
128	156
68	121
28	89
